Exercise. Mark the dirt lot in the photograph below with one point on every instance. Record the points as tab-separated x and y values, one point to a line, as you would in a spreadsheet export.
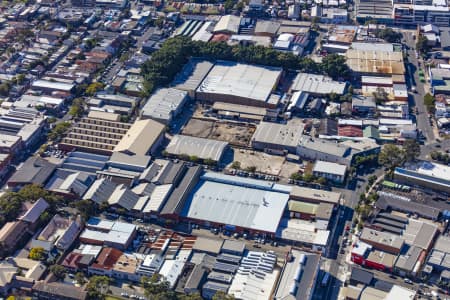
265	163
238	134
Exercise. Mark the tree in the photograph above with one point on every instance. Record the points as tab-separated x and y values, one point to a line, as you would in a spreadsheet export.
429	101
97	287
251	169
37	253
86	208
334	65
391	156
210	162
380	95
157	288
389	35
93	88
411	149
5	88
236	165
59	271
77	108
193	158
422	44
79	278
58	131
308	177
321	180
222	296
20	79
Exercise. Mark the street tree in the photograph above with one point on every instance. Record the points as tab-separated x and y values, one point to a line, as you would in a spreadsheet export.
391	156
97	287
411	149
59	271
37	253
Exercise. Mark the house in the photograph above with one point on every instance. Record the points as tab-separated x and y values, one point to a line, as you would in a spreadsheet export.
104	263
60	231
12	233
31	212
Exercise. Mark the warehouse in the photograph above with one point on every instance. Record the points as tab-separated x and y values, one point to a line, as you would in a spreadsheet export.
164	104
237	203
278	138
238	83
181	145
143	137
317	85
192	75
375	62
425	174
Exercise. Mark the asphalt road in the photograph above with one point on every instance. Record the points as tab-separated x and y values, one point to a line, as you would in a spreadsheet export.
423	123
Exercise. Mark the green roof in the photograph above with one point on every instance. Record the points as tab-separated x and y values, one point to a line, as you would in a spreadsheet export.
303	207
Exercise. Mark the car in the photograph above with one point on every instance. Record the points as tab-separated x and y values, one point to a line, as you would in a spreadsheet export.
408	281
392	276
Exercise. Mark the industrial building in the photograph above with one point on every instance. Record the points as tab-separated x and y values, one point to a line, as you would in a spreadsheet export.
238	203
317	85
192	75
331	171
164	104
278	138
114	234
375	62
142	138
193	146
425	174
239	83
298	276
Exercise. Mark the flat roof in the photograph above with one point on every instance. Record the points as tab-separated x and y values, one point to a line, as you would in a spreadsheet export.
236	205
300	272
325	146
317	84
208	245
241	80
141	136
375	61
200	147
280	134
315	195
369	235
329	168
399	292
40	83
228	23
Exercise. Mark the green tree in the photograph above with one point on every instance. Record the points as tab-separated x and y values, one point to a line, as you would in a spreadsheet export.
37	253
193	158
380	95
429	101
391	156
308	177
58	131
59	271
422	44
5	87
79	278
77	108
157	288
321	180
222	296
97	287
389	35
93	88
411	149
210	162
86	208
251	169
334	65
236	165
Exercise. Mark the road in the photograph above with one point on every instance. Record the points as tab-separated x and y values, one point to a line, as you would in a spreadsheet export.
423	123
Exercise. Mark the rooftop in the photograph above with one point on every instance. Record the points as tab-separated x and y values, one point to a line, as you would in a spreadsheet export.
200	147
141	137
329	168
226	200
241	80
192	74
315	195
162	104
280	134
317	84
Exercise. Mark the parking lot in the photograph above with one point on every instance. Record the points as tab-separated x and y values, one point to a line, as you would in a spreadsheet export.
237	134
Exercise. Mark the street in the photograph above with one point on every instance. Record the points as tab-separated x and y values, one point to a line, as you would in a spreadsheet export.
423	123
